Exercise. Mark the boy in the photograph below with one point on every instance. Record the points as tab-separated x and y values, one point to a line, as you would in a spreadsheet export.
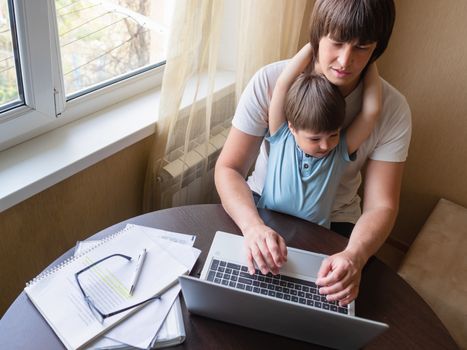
308	152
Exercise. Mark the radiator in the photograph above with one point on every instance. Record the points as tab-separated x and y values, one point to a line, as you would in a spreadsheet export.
184	180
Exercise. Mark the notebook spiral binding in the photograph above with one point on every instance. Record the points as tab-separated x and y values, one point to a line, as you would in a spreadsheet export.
54	269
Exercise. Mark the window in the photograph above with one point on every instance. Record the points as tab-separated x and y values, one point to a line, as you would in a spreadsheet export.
101	41
64	59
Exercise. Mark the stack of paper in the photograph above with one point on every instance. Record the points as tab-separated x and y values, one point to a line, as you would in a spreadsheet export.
160	325
156	324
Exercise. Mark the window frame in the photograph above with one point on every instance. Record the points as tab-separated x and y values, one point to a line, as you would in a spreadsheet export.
36	68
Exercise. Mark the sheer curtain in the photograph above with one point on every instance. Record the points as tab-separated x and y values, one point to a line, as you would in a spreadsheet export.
269	31
191	112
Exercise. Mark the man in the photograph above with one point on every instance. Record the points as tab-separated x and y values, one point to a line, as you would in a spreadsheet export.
346	35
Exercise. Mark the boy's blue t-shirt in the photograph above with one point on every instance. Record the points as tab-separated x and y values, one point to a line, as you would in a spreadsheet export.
299	184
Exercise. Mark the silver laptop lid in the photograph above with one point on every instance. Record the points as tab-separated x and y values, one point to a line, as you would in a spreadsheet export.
277	316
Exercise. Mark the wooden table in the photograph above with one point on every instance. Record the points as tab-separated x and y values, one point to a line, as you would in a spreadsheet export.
384	296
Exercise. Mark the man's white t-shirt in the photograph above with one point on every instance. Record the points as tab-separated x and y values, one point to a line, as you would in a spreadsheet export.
388	142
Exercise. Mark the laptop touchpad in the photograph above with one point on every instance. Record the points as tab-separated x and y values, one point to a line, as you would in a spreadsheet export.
302	263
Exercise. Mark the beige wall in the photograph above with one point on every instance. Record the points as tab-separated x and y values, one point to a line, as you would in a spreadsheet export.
37	231
427	62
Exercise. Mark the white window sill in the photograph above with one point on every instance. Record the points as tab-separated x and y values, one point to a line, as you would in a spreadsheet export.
35	165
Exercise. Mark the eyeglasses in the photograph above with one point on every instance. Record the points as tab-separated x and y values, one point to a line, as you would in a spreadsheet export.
98	314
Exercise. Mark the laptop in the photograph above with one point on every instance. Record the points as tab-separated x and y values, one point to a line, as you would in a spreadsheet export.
286	304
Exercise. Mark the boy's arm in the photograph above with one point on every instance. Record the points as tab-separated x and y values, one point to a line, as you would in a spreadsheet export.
363	124
293	69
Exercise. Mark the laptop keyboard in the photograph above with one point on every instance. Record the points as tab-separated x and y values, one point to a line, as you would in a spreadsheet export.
276	286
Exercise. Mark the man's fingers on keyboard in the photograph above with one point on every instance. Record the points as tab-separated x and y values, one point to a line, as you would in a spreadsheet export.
327	280
275	252
324	270
339	282
268	259
250	262
347	299
331	290
283	248
258	258
339	275
340	294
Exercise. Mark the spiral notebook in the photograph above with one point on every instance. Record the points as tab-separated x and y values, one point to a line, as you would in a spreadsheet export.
56	295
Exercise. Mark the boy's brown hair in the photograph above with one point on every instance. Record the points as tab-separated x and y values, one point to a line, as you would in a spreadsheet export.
313	103
366	21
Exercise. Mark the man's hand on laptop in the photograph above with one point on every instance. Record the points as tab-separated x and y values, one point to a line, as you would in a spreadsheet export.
339	277
266	247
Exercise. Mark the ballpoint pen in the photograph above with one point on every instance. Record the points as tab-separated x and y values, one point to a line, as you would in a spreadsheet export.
139	267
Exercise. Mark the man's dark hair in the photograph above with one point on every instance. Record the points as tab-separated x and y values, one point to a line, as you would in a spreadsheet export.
366	21
313	103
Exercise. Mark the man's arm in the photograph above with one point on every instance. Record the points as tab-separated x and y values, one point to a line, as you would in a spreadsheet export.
263	245
340	273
